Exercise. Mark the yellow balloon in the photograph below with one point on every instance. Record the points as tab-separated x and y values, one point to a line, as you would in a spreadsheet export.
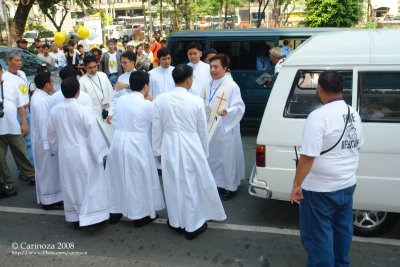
59	38
83	32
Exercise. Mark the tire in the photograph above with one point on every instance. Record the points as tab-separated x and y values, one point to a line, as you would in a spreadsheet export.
372	223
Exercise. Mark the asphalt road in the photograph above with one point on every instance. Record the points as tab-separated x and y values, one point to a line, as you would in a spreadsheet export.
256	233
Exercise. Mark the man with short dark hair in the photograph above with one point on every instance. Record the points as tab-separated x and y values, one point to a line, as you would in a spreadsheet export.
180	143
46	55
225	109
11	133
73	58
201	70
161	80
286	48
325	177
83	98
110	62
74	135
98	86
23	44
48	186
135	190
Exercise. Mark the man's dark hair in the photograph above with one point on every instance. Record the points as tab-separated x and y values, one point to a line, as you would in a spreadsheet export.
285	42
181	73
138	80
222	58
45	46
211	51
331	81
163	52
95	49
89	59
163	41
67	72
70	87
41	79
79	46
112	40
71	42
129	55
194	45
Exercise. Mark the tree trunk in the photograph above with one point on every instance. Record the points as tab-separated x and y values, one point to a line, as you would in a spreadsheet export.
161	15
226	14
18	24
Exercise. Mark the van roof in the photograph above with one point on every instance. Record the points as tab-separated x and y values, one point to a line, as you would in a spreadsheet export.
349	47
286	32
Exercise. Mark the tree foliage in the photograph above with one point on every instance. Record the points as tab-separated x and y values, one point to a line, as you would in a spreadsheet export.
50	8
333	13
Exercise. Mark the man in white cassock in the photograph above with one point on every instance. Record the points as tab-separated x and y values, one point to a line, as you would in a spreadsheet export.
161	80
56	98
201	70
134	185
75	137
180	142
122	87
48	185
98	86
225	109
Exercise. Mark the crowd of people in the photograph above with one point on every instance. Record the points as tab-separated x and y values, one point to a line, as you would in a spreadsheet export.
122	118
119	121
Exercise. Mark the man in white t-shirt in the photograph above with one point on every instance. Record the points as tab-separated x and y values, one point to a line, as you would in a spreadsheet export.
326	175
46	55
58	55
11	133
110	62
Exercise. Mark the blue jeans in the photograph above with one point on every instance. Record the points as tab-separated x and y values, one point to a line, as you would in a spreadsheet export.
113	79
326	226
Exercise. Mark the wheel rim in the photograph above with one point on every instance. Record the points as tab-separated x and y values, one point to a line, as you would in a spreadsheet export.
367	219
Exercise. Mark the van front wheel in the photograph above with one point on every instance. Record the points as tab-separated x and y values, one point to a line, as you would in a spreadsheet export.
372	223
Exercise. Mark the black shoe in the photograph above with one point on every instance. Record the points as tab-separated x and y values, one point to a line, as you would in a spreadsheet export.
76	225
227	195
221	190
9	191
54	206
143	221
192	235
32	182
115	217
176	229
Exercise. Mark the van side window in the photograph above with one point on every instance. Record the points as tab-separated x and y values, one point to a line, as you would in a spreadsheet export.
379	96
179	51
243	54
303	98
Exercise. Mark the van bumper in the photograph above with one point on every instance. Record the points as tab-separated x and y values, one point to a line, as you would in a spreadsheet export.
257	188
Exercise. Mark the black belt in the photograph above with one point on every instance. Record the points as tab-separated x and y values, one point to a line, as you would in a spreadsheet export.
116	73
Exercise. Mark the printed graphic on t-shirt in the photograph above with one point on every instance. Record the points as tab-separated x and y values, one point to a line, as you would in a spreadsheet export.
112	63
22	89
350	139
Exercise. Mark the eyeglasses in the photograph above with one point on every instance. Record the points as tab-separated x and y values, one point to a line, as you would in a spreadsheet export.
125	62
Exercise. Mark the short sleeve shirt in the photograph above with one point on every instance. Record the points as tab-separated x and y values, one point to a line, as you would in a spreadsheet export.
12	101
336	169
19	82
112	63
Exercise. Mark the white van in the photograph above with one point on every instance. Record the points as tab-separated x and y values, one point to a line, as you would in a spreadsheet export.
371	71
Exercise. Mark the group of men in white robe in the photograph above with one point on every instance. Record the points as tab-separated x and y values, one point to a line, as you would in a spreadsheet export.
184	127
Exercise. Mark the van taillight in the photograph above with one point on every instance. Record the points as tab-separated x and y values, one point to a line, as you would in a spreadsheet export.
260	156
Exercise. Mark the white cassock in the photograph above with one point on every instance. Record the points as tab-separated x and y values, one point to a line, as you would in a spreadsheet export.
48	185
124	78
161	80
101	92
226	157
134	185
83	99
201	77
180	137
74	135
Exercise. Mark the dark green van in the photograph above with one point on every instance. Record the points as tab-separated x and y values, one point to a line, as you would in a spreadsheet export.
242	46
